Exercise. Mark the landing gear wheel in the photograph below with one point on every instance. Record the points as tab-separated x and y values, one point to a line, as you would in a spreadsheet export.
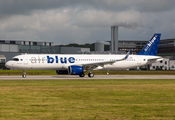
90	75
24	76
81	74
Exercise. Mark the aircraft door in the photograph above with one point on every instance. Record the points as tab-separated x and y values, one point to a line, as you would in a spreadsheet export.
25	60
138	60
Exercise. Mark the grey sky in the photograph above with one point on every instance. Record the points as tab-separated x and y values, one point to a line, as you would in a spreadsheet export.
85	21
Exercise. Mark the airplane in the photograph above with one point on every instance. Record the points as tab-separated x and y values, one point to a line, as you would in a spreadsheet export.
75	64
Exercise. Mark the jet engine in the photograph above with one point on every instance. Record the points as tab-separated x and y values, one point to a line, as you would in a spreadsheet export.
75	70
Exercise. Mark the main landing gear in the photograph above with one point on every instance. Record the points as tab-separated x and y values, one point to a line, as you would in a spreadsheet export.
81	74
24	74
89	74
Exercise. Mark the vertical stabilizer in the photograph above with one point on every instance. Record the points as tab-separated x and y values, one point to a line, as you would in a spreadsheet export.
152	46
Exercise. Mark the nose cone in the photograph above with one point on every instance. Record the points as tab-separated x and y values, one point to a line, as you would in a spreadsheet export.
8	65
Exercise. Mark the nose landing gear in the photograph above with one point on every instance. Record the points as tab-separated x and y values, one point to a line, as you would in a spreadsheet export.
24	74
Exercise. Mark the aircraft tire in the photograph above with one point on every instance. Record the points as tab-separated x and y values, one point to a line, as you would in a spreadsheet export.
81	74
90	75
24	76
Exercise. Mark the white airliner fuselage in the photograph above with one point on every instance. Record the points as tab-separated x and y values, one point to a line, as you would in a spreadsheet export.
78	64
61	61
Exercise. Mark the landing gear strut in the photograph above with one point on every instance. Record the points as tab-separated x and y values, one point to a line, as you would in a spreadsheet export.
107	72
24	74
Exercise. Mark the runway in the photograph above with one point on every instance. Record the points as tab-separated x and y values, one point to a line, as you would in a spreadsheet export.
60	77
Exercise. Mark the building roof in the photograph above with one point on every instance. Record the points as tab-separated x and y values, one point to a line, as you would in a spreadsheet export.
26	41
2	56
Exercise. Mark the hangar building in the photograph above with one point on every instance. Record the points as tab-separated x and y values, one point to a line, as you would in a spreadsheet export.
10	48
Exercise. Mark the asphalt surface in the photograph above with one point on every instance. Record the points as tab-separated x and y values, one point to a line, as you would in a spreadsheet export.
60	77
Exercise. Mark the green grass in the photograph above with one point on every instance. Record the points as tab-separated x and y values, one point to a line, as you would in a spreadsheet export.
29	72
52	72
87	99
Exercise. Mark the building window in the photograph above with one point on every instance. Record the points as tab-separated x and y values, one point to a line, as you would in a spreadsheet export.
2	41
2	60
12	42
165	62
161	61
34	43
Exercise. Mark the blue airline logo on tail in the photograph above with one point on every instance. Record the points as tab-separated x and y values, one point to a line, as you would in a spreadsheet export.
152	46
150	43
62	59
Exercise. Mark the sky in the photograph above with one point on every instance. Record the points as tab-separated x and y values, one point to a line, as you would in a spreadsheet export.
85	21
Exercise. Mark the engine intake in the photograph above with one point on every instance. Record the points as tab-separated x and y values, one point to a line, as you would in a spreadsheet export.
75	70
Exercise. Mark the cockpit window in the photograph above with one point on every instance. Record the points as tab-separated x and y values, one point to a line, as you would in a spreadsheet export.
15	59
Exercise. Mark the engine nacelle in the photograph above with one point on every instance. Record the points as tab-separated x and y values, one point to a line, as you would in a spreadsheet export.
59	72
75	70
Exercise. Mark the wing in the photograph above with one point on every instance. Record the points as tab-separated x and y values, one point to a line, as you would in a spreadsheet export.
91	66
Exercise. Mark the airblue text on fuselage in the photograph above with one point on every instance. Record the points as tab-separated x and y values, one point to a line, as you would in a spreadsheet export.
62	59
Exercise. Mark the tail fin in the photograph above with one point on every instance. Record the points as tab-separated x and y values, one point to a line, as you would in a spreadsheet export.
152	46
